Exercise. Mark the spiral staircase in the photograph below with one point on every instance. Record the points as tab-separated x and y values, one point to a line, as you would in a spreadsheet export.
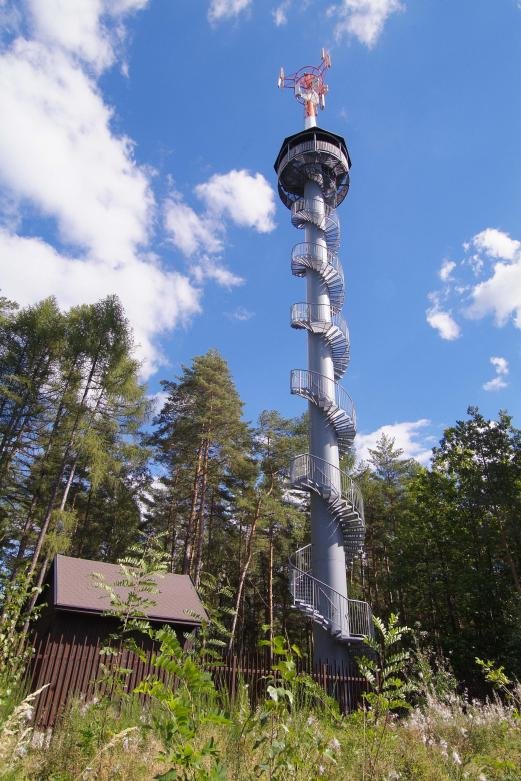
321	158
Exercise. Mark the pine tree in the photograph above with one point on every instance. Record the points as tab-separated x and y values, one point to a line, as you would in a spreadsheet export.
204	448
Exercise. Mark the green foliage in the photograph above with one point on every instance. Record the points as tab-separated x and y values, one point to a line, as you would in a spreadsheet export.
15	596
132	594
496	676
216	596
130	598
388	690
382	671
185	711
430	671
271	730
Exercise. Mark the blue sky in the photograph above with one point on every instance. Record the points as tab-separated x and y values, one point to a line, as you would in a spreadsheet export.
136	156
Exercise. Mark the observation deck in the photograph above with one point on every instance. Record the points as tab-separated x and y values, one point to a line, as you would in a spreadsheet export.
313	155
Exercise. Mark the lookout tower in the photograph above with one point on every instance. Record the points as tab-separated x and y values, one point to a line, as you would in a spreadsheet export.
313	179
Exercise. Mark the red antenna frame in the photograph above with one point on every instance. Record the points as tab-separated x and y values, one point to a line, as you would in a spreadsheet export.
308	86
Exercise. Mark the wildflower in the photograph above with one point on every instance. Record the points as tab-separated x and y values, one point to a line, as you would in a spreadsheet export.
334	744
310	721
444	746
393	775
27	713
456	758
482	777
321	770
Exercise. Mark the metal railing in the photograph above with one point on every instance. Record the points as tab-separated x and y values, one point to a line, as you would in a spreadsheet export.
313	146
316	257
319	315
348	618
328	478
327	320
317	212
310	383
306	252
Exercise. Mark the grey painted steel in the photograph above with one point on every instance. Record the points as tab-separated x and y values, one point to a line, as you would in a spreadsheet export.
315	256
313	179
347	619
332	399
320	214
341	495
326	321
317	156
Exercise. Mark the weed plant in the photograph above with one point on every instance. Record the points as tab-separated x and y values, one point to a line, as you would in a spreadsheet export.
189	732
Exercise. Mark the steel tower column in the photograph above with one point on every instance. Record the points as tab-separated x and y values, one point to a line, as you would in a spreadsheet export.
313	178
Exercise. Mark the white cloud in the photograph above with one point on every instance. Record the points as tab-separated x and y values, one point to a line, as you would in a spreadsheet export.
408	436
496	384
446	270
500	294
496	244
57	151
246	199
364	19
226	9
237	196
158	401
88	29
155	300
502	369
499	364
280	14
443	322
241	314
190	232
60	155
493	256
211	268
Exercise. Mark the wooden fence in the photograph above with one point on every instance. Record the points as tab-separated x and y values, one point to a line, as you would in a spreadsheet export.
74	668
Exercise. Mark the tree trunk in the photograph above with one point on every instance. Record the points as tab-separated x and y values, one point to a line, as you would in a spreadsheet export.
172	521
509	557
189	539
61	471
270	591
244	572
201	524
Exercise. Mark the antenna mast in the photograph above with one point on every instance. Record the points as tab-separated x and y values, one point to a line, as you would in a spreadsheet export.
309	87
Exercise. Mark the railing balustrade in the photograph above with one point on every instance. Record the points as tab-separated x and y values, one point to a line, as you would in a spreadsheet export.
307	251
321	314
322	473
341	615
316	211
313	146
315	384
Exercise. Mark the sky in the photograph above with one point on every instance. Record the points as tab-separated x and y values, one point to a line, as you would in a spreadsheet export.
137	142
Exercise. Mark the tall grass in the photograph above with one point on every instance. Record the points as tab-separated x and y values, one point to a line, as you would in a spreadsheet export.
441	741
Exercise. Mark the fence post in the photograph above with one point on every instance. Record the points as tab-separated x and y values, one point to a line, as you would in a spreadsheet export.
324	677
233	682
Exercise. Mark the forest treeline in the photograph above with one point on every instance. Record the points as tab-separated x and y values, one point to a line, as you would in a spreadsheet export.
87	468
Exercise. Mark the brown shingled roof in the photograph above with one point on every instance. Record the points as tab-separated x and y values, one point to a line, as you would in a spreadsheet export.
74	589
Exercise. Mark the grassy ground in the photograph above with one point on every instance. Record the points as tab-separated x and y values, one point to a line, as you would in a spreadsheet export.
443	740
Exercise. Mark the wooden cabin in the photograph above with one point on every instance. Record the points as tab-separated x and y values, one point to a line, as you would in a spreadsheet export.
74	627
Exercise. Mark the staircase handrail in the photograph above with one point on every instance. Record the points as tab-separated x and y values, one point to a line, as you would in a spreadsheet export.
319	213
342	605
314	381
308	249
319	313
315	466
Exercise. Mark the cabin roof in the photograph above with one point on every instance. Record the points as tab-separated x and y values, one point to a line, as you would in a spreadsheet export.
74	589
